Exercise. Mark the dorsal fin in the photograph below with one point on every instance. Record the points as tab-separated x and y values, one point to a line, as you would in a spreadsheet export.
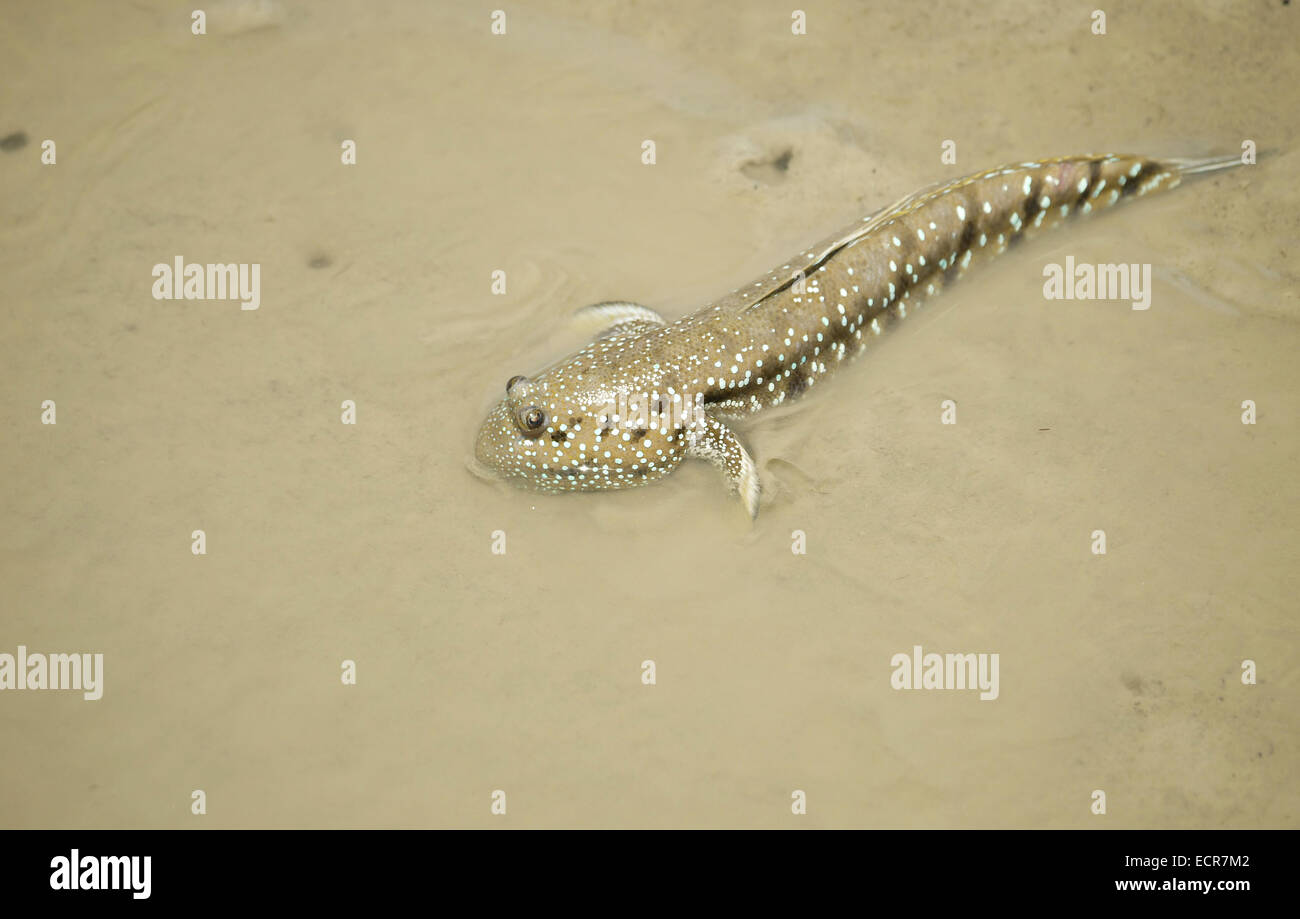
618	317
746	298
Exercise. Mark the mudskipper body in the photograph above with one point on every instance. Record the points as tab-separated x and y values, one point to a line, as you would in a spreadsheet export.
647	393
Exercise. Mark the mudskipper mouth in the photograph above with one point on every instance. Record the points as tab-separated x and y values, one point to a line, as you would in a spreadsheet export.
481	470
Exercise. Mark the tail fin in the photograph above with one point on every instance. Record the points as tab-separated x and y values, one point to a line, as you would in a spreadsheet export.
1189	167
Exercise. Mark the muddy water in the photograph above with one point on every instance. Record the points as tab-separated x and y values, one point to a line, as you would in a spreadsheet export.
521	672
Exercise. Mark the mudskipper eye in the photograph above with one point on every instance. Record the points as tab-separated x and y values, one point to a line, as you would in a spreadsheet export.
532	420
517	378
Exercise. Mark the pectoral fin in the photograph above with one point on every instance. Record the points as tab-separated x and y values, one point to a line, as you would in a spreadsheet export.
712	440
617	317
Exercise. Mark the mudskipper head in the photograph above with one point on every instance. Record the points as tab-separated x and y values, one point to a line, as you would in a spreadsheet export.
557	431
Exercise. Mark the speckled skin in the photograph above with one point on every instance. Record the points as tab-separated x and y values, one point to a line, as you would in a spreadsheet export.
647	394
